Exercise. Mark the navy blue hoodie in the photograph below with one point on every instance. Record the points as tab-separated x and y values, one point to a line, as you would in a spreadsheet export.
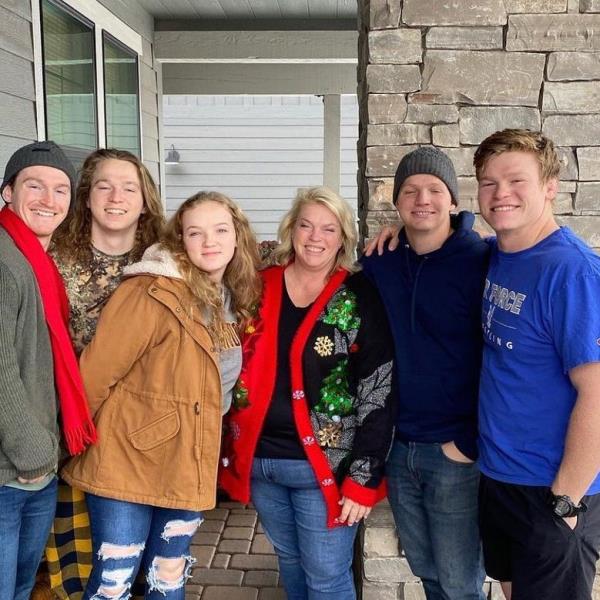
433	303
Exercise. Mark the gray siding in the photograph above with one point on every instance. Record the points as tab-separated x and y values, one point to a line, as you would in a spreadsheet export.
17	88
257	149
17	95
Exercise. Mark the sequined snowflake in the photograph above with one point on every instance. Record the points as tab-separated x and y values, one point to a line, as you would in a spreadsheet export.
323	346
330	435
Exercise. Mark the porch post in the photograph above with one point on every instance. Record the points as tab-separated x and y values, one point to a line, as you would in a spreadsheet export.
331	142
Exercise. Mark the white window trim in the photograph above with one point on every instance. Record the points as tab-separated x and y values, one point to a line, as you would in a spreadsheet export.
103	20
38	70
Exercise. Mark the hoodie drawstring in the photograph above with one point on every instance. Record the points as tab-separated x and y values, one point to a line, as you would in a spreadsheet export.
413	299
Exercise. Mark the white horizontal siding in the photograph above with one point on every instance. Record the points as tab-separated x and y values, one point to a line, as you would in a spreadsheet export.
257	149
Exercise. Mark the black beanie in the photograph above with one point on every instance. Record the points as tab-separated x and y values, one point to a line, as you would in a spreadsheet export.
43	154
427	160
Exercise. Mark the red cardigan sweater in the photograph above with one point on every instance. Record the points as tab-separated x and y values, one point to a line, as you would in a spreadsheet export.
342	348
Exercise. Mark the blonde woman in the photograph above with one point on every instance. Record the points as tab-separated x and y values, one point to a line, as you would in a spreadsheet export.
312	420
152	374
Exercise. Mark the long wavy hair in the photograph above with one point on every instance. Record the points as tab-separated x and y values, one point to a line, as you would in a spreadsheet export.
72	240
241	274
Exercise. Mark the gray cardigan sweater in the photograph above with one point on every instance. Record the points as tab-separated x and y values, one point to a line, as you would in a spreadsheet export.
28	408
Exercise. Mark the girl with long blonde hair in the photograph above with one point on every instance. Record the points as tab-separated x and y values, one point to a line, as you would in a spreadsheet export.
159	374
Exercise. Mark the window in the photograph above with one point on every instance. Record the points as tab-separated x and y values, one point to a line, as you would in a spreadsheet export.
90	80
69	78
121	96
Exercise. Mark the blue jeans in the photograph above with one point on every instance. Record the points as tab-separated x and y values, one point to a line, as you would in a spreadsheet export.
434	501
315	562
127	537
25	521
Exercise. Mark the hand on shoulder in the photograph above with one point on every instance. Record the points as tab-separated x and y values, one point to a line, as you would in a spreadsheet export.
388	233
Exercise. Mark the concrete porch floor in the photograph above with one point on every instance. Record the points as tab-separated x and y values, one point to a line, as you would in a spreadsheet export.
235	561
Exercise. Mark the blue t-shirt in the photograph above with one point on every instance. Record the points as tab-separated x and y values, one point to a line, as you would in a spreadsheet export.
540	318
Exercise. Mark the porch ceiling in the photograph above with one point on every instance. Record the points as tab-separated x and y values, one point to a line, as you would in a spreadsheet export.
251	10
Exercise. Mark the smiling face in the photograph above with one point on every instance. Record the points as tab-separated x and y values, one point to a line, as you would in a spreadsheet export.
316	237
424	203
116	200
40	196
515	201
209	237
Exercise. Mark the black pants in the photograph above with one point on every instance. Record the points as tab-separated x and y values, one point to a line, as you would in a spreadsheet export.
526	543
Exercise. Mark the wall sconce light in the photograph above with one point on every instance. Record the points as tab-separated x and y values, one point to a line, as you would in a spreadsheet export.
172	156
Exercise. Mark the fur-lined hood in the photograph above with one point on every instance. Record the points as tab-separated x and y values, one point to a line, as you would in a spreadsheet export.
155	261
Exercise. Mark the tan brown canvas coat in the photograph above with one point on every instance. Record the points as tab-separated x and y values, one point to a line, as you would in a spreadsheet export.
152	379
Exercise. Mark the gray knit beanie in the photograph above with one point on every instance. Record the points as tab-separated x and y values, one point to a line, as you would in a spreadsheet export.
44	154
427	160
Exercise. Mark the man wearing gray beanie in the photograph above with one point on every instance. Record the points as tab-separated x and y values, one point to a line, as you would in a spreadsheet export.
35	373
431	284
431	161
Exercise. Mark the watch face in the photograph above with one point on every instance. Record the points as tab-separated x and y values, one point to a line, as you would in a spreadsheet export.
561	507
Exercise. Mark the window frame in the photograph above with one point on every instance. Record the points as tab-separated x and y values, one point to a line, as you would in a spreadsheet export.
87	23
102	21
107	37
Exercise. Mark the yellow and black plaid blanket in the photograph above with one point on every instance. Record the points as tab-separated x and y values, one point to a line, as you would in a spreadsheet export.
69	548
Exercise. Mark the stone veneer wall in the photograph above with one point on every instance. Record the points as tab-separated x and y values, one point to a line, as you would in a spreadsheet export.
450	73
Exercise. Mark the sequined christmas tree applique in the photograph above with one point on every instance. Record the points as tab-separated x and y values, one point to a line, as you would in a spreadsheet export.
336	400
342	311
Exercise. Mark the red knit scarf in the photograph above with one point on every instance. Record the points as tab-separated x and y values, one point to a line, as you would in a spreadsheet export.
77	426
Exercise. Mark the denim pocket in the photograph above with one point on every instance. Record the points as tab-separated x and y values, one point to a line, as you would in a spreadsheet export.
453	461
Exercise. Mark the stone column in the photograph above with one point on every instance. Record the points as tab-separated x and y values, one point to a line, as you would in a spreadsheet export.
450	73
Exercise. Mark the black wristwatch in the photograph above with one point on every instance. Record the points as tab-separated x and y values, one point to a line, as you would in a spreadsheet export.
564	507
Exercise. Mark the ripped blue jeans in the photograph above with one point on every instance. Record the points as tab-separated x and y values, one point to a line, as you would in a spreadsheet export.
127	537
